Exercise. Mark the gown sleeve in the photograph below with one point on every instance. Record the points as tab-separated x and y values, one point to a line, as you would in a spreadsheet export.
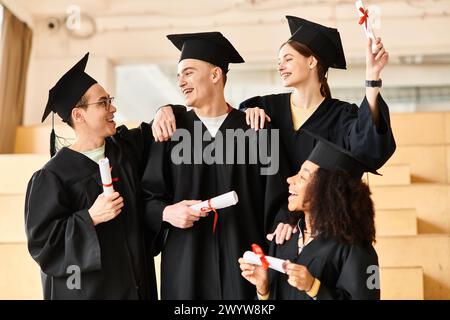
178	109
354	281
57	236
138	142
373	144
262	102
157	191
276	189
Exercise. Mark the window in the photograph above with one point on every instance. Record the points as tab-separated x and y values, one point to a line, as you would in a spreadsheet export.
1	20
1	17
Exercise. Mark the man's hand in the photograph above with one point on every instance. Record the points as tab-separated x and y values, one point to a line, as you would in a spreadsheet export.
164	124
106	207
181	216
282	233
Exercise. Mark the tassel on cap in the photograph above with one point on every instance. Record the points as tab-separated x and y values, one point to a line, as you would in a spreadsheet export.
53	137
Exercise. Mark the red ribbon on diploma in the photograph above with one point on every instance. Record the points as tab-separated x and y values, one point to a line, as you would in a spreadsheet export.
365	16
112	180
110	184
259	252
216	215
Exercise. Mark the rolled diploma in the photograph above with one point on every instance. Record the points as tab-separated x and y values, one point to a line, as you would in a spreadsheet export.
223	201
274	263
105	173
369	31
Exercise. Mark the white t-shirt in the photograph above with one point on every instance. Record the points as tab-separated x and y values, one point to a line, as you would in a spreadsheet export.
95	154
213	124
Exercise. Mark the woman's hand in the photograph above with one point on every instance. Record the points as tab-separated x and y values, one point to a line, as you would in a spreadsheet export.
299	276
375	61
256	118
256	275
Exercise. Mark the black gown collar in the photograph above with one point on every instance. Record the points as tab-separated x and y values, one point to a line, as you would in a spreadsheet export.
321	109
232	114
71	164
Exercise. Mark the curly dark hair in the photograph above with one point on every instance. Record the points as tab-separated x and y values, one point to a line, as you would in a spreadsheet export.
340	207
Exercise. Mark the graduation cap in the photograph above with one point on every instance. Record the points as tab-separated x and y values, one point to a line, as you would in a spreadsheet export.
211	47
331	157
323	41
65	94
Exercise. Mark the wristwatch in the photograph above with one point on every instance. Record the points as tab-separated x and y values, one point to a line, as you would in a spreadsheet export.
373	83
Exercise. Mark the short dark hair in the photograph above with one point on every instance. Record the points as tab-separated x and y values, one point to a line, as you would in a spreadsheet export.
80	104
340	207
224	73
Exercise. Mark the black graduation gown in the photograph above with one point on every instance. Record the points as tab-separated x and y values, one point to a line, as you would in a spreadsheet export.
112	256
339	122
195	263
343	270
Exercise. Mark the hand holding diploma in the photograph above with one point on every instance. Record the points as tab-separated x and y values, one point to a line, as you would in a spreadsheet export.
106	207
181	215
184	213
223	201
274	263
108	204
375	60
254	273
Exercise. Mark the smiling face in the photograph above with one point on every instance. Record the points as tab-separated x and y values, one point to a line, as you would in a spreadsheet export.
298	185
293	67
196	80
97	120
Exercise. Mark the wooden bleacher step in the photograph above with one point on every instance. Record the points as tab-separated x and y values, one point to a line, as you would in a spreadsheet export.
400	222
434	128
391	175
428	163
429	251
431	202
17	169
19	273
401	283
35	138
12	225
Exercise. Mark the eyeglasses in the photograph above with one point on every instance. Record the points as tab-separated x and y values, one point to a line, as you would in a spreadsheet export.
106	103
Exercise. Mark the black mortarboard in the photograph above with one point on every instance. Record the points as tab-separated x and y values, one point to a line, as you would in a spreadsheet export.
331	157
63	97
323	41
211	47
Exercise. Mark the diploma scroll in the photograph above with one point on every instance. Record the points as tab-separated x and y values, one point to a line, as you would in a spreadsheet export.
105	173
223	201
274	263
365	22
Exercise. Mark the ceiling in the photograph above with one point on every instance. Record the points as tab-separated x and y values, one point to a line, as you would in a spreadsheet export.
136	29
